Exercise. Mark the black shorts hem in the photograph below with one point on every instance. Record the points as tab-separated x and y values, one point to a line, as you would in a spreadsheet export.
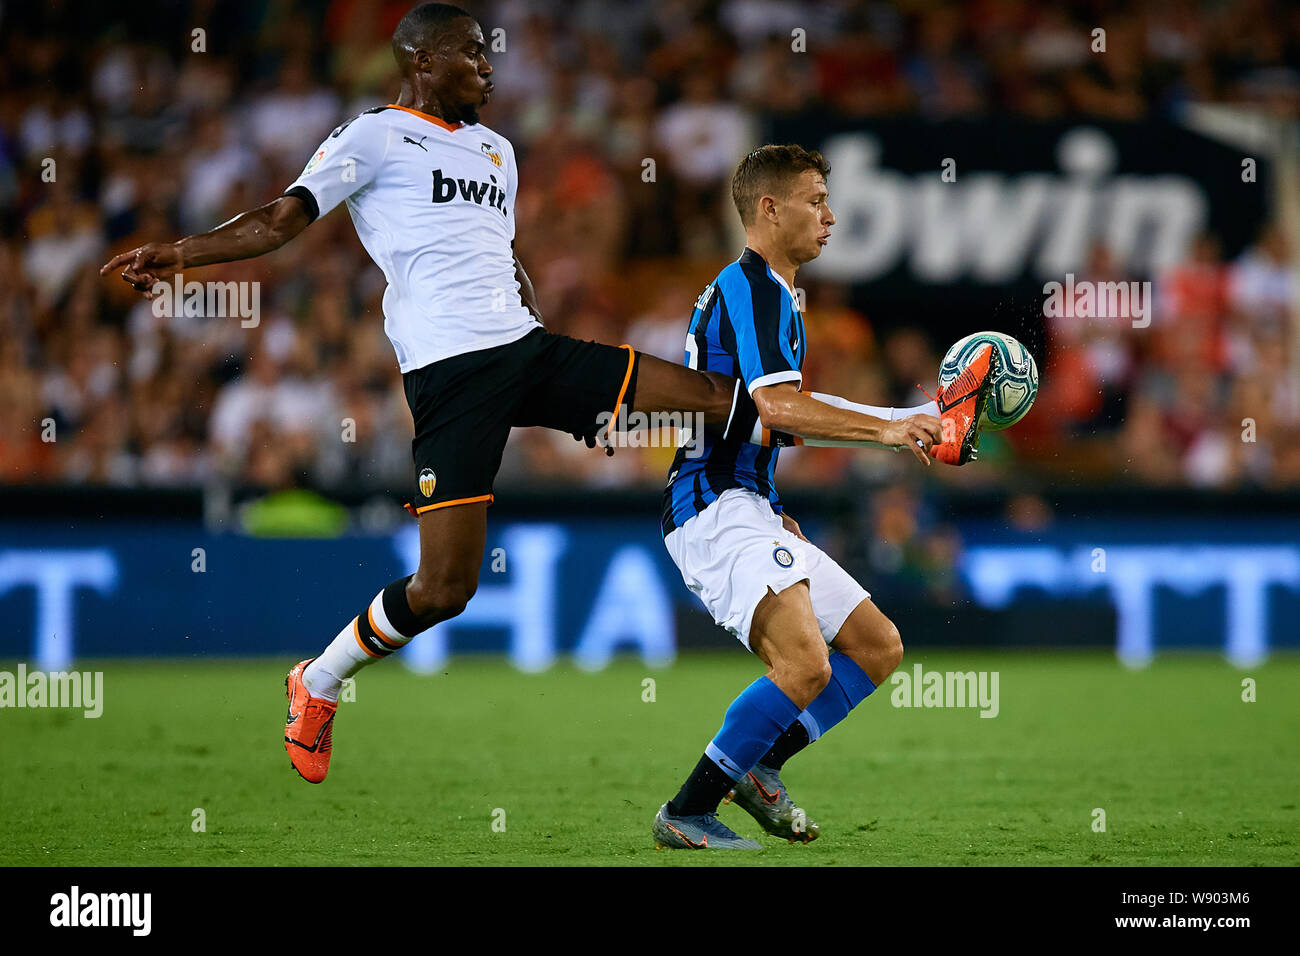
434	506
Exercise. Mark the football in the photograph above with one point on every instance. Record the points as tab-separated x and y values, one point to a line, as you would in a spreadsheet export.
1015	376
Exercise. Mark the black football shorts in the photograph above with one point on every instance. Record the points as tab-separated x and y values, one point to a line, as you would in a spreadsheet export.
465	406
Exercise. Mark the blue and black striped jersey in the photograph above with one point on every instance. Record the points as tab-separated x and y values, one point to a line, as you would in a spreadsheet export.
747	324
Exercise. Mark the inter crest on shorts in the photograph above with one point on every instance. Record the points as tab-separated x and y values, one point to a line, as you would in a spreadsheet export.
428	481
783	557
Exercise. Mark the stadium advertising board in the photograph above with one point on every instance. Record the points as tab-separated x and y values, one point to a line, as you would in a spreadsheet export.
983	213
586	589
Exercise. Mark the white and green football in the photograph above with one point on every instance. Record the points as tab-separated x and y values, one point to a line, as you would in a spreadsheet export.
1015	376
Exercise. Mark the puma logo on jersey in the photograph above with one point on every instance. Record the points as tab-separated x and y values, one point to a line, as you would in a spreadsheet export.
446	189
407	139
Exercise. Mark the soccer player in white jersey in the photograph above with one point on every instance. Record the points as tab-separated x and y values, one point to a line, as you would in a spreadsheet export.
431	192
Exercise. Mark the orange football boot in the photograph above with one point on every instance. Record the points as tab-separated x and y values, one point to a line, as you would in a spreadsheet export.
308	727
961	404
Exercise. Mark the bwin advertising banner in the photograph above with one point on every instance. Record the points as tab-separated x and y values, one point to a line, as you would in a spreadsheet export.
981	207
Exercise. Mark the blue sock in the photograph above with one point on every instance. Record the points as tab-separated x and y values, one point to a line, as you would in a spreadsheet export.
753	721
849	686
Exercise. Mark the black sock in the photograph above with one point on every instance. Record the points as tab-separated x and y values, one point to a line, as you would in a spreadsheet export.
702	791
793	740
398	609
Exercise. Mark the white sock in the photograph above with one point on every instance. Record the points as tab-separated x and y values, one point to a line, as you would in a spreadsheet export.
362	642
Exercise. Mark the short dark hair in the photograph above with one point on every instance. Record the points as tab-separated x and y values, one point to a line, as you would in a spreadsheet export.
421	26
769	170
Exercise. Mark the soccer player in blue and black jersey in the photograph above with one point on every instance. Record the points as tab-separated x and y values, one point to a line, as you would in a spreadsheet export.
736	547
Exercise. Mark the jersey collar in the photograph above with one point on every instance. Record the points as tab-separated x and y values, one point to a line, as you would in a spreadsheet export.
449	127
750	256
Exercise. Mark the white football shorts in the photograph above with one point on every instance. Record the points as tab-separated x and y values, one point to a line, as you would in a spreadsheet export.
734	550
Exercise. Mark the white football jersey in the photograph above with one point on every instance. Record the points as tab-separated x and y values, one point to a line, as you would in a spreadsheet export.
433	203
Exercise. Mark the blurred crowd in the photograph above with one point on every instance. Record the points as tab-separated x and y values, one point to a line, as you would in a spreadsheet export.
1208	396
119	128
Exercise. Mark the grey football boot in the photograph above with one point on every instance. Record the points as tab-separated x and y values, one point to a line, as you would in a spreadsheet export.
762	795
699	832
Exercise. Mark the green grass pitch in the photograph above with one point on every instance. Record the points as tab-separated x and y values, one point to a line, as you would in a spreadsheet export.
1186	772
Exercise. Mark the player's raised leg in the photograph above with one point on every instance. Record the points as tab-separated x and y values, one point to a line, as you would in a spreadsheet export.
586	388
668	387
784	633
452	539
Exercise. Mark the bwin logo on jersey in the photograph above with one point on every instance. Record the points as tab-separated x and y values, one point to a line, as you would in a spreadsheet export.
445	189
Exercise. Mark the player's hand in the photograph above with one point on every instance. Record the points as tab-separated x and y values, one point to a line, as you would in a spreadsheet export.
792	526
916	433
146	265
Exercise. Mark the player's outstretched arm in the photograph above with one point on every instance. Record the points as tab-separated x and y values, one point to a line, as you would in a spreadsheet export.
782	407
250	234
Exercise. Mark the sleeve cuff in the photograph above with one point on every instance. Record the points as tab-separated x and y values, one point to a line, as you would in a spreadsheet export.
775	378
308	200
